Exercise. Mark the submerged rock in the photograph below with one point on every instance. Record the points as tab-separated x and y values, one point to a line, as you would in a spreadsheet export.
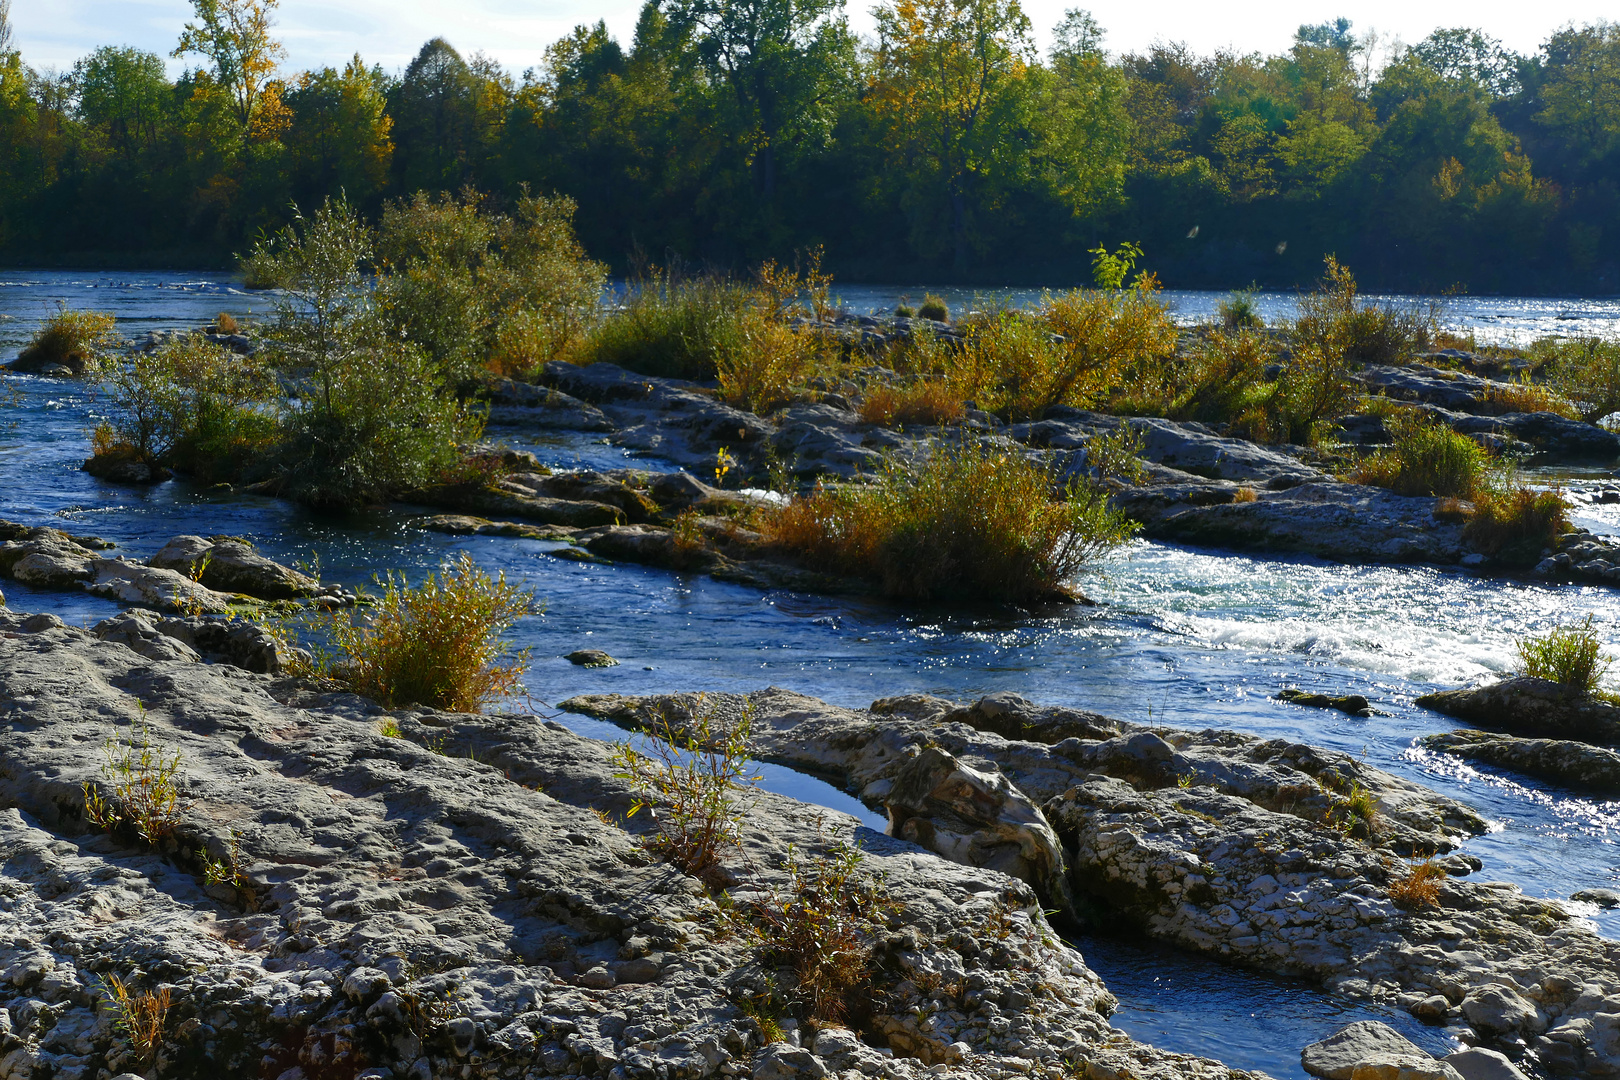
1353	704
1524	705
591	658
1558	761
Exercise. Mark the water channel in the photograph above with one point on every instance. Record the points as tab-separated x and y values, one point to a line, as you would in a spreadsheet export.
1183	636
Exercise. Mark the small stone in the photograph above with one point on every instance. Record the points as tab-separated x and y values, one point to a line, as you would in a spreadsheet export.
1603	898
1432	1010
598	978
590	658
1421	1067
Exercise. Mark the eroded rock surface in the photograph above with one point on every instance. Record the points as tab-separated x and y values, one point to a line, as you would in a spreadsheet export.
456	900
1264	852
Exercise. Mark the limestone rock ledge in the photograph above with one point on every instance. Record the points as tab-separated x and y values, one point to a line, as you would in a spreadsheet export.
448	901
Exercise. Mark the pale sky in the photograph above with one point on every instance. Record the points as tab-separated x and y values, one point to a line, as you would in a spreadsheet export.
515	32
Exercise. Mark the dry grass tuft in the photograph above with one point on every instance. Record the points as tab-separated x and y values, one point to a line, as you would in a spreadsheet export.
435	644
1245	494
78	340
1516	522
924	403
822	924
1420	888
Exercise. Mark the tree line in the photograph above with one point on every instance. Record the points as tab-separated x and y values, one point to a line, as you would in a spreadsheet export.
946	147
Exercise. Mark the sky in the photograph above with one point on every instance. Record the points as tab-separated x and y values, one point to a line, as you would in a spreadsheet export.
53	33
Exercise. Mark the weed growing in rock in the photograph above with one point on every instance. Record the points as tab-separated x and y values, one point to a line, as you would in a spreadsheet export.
230	869
1571	656
1419	887
138	1015
1117	453
689	777
979	523
435	643
1352	807
138	789
1524	396
821	923
932	307
81	341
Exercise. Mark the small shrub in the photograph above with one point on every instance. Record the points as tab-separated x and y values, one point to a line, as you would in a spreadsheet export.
138	790
1334	320
435	643
1427	458
1238	311
1516	522
1568	655
230	869
81	341
1419	887
689	782
934	308
1117	453
1584	372
138	1015
926	402
822	924
1110	269
226	323
970	522
904	311
1245	494
1222	378
770	361
193	406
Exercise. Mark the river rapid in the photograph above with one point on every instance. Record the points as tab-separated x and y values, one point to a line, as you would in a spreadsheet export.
1182	636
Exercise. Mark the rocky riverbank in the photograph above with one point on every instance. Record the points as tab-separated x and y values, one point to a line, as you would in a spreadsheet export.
420	894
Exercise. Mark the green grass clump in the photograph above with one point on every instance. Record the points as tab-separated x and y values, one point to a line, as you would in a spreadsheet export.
435	643
1584	372
970	523
934	308
1427	458
81	341
1336	319
1571	656
673	328
1516	522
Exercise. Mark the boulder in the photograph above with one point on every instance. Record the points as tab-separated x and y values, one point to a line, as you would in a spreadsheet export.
229	564
1336	1057
1479	1063
591	658
546	408
153	587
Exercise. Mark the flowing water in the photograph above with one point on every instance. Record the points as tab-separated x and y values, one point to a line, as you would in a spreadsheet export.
1182	636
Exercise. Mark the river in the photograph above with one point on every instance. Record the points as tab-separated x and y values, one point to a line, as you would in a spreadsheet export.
1183	636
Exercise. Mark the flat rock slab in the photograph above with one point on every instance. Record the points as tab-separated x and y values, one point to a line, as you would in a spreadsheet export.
1565	762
